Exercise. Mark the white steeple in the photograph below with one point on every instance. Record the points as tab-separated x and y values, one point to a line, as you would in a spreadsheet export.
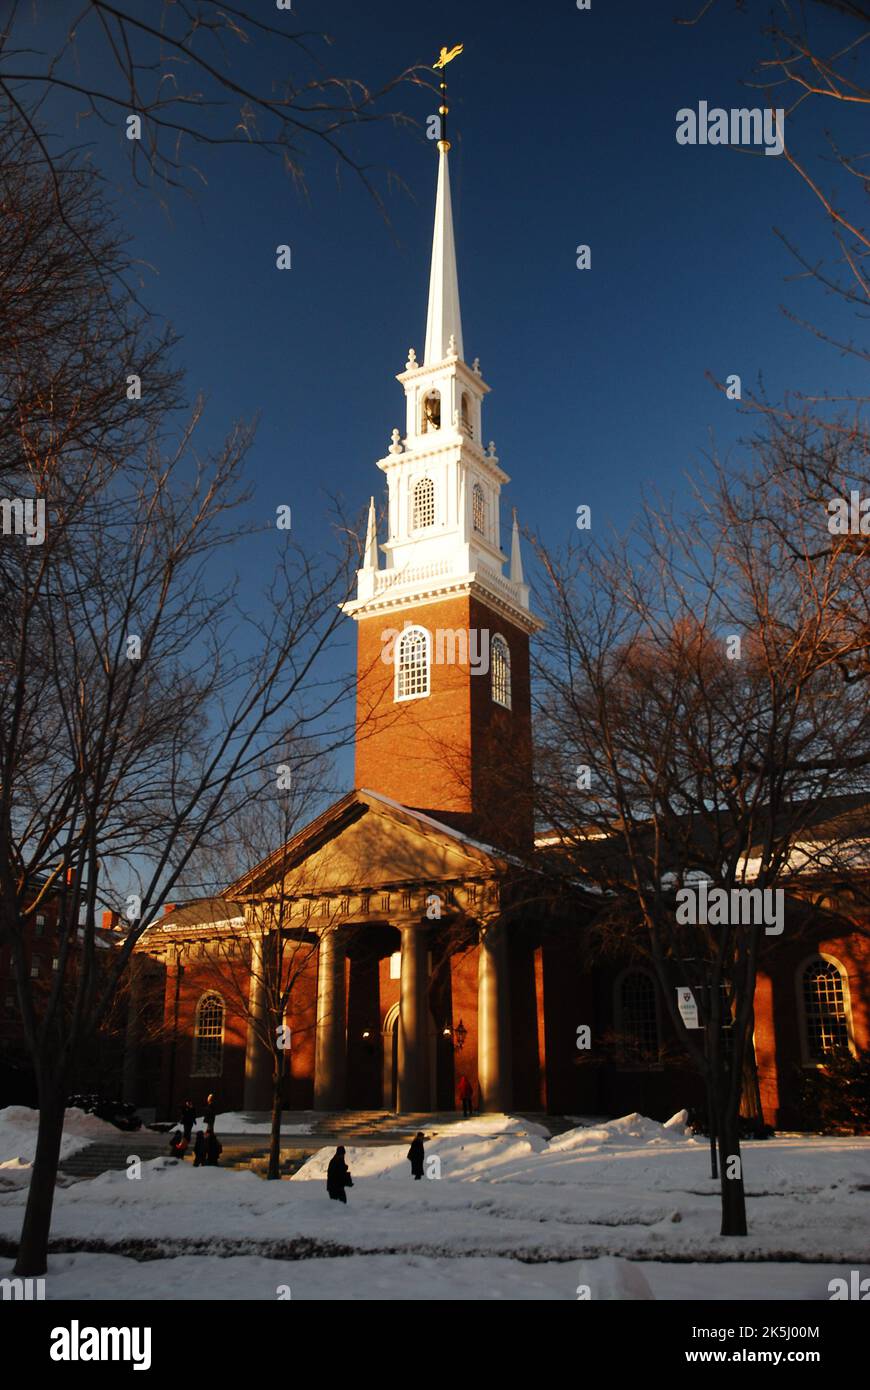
444	320
443	523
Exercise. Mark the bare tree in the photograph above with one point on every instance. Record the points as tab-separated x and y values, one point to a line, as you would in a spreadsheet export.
260	968
137	694
176	78
813	62
693	721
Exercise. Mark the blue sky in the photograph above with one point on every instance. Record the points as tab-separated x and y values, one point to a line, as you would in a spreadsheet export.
563	125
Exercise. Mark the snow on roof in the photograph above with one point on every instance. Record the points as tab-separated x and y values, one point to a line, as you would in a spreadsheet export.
440	825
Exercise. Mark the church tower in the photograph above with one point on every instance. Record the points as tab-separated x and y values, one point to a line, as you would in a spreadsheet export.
443	697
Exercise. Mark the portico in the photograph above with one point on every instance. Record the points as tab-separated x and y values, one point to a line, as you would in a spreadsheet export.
398	967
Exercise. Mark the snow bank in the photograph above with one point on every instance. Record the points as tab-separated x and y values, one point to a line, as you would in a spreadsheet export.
492	1124
633	1129
465	1155
18	1128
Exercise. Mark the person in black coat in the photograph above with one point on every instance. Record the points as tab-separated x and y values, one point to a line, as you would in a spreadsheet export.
213	1149
199	1149
338	1176
416	1154
208	1114
188	1118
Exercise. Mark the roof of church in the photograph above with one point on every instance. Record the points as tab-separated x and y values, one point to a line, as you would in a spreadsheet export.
350	809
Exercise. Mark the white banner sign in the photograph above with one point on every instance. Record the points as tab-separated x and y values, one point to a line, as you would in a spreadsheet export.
688	1008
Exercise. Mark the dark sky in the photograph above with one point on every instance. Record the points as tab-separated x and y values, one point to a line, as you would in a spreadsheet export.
564	132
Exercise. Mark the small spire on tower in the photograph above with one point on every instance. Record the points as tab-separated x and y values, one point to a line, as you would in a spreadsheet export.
516	556
370	559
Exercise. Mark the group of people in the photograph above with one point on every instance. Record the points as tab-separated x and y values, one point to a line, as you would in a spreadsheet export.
207	1148
338	1178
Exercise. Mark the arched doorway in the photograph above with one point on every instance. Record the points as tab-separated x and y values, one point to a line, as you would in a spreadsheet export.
391	1057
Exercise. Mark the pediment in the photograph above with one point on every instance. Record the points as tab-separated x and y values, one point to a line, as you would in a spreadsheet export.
365	841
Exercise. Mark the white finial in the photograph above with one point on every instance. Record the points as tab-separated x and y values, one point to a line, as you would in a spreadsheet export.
475	366
370	559
491	449
396	447
412	360
451	345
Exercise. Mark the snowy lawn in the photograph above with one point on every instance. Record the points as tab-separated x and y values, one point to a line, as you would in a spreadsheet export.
630	1189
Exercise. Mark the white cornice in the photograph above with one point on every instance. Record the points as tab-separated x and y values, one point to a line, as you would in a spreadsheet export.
397	599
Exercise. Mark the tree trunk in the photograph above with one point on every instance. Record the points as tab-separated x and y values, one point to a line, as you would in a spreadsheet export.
33	1248
275	1138
750	1096
731	1171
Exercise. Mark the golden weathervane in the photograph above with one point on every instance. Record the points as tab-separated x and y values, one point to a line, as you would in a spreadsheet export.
446	56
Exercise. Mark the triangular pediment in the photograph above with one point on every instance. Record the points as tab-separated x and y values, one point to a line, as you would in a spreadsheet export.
366	841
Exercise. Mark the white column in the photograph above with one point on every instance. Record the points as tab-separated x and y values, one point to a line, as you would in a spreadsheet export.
330	1050
130	1083
413	1088
258	1059
493	1021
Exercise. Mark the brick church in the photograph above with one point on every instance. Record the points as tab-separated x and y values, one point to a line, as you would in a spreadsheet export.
413	949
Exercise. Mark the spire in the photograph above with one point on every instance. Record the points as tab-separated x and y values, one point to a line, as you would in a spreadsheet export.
443	320
370	560
516	557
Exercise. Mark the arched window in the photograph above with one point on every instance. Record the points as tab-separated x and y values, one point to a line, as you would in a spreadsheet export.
430	416
478	509
637	1018
465	416
423	511
208	1037
501	671
825	1009
412	663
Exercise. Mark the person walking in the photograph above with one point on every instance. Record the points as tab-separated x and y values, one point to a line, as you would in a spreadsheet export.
338	1176
416	1154
208	1115
465	1095
188	1118
199	1149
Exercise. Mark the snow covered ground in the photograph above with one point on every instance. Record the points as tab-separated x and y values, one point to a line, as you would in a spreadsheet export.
625	1209
237	1122
18	1126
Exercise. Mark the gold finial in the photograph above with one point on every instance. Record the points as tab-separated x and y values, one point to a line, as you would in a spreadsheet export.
446	56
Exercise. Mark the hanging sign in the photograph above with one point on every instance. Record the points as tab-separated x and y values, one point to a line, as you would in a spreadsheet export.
688	1008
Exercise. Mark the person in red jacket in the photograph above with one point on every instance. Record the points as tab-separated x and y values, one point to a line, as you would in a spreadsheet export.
465	1095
